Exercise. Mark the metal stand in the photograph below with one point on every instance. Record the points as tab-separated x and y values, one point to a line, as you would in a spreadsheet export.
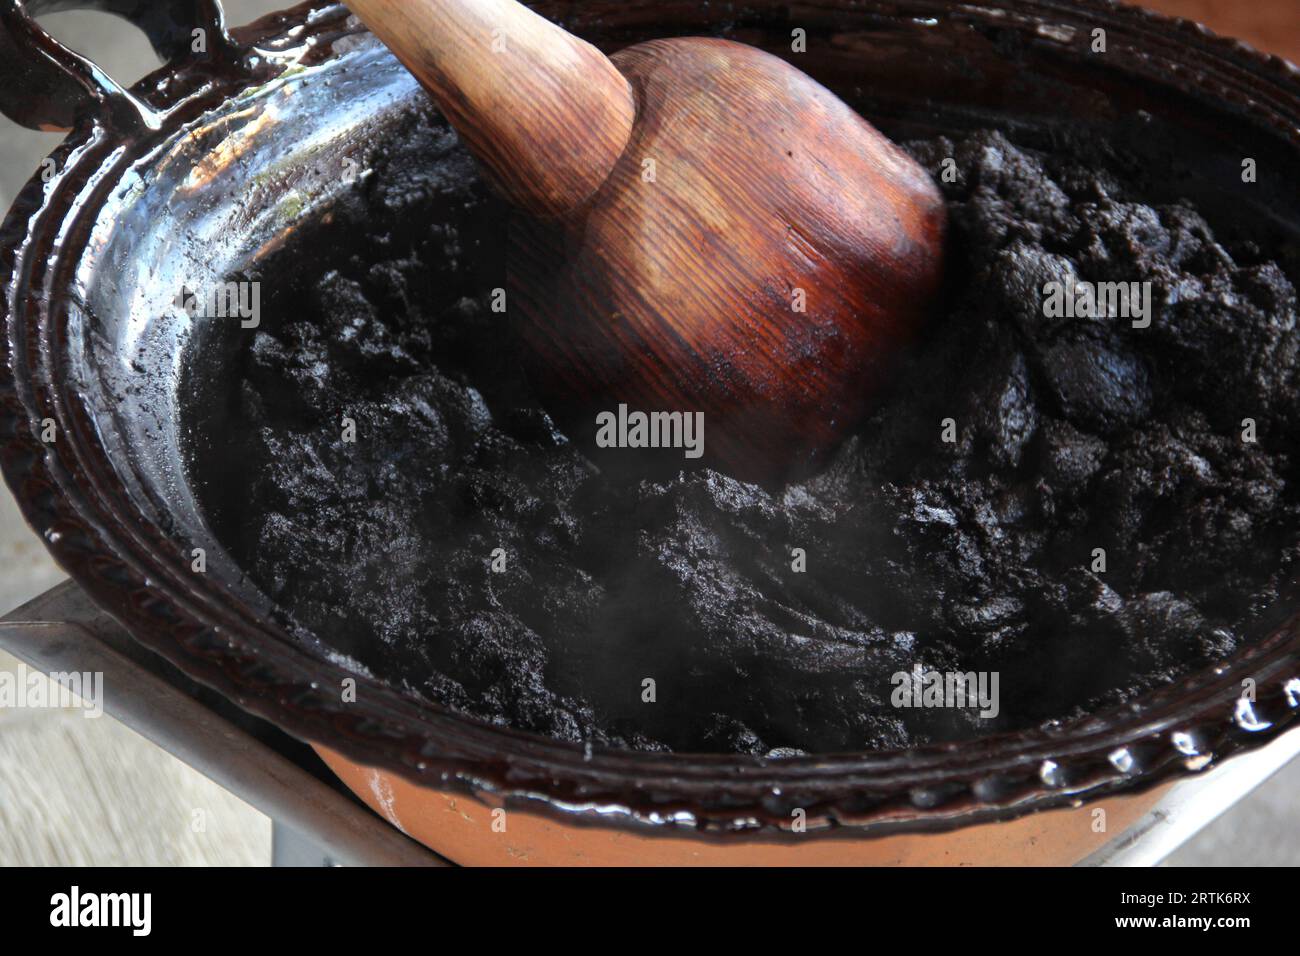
318	822
291	848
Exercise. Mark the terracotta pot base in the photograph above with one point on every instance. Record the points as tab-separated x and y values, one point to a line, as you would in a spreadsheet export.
465	830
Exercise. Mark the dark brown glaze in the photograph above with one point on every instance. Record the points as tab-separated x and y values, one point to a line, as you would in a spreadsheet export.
83	494
758	254
48	87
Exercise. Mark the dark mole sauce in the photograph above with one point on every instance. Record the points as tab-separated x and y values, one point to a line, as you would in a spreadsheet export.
1071	435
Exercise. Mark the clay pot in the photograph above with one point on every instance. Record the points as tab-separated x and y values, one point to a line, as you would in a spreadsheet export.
207	165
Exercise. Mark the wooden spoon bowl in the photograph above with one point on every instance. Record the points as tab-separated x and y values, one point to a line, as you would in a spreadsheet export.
758	254
708	230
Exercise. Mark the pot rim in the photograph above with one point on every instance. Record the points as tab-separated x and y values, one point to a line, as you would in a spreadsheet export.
68	493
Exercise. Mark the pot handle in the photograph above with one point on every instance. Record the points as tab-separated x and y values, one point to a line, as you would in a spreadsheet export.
46	86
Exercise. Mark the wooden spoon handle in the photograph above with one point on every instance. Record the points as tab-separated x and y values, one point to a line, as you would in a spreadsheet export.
546	113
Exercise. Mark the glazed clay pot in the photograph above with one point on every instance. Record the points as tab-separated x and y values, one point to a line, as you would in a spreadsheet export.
207	166
481	831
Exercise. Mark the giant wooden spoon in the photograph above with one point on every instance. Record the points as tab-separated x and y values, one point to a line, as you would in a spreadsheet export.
710	230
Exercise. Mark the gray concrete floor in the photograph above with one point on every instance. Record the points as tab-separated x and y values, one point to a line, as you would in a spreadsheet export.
77	791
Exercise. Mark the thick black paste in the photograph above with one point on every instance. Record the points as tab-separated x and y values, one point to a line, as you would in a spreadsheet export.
975	555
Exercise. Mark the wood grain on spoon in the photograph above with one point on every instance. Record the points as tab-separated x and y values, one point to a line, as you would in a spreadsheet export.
715	231
545	112
766	276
